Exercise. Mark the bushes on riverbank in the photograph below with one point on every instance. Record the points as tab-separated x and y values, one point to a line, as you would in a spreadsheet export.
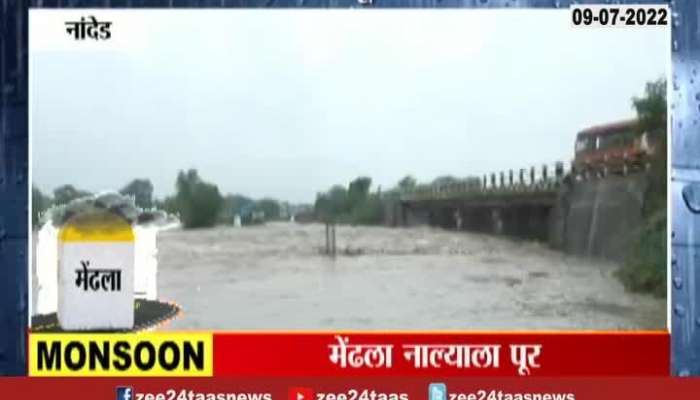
197	202
354	205
645	268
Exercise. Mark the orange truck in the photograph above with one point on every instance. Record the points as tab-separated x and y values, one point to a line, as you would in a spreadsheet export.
617	147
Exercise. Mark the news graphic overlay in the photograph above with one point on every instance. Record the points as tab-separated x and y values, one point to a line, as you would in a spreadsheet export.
437	391
125	393
96	267
620	15
96	272
89	28
422	356
124	354
301	393
416	354
685	181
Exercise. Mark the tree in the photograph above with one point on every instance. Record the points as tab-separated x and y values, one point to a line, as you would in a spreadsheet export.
338	199
361	185
198	202
322	206
168	204
473	182
270	207
651	113
354	205
369	212
358	190
142	192
332	204
64	194
407	184
651	108
444	180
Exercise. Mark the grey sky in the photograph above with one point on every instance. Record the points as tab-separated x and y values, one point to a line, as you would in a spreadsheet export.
288	103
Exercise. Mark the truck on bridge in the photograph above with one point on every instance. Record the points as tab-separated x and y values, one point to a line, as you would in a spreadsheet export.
617	147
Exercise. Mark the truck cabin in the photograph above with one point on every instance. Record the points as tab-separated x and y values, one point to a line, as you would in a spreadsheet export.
616	147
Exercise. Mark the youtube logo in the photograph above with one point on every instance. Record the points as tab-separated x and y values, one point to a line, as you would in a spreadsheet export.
301	393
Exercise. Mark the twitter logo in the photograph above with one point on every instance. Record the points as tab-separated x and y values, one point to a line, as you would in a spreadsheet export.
437	391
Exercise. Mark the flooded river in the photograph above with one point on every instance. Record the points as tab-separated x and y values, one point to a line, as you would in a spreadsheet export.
274	277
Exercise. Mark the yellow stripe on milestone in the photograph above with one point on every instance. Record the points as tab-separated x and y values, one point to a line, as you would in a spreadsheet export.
101	226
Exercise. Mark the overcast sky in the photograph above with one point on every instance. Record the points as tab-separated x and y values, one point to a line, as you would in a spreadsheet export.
287	103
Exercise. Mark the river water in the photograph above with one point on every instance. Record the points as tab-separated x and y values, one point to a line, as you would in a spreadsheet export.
275	276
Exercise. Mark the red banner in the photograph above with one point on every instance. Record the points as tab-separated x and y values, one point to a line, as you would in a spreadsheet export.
442	354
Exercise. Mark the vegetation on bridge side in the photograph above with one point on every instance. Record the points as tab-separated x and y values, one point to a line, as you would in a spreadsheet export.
645	267
356	204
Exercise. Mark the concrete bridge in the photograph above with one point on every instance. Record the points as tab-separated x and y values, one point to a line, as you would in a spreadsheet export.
585	215
509	202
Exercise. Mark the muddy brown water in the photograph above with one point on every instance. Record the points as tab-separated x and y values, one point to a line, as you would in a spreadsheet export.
274	276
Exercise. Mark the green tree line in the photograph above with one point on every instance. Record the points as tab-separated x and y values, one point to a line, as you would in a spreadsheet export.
354	204
198	203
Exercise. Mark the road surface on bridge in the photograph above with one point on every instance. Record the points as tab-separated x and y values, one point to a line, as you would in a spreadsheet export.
274	277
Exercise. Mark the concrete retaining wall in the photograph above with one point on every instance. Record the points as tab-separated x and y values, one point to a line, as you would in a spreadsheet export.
598	218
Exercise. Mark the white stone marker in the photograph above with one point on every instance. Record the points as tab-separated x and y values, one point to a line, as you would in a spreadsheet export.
96	272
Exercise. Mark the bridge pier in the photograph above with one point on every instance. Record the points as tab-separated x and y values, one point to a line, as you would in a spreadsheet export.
413	216
444	218
527	221
459	219
498	220
522	221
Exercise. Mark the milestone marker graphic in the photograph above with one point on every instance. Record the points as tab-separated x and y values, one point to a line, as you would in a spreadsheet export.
96	272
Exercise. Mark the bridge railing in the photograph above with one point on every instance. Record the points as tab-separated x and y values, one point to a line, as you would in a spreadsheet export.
542	178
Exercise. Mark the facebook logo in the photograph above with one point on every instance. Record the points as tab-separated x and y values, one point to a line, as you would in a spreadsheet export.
125	393
437	391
